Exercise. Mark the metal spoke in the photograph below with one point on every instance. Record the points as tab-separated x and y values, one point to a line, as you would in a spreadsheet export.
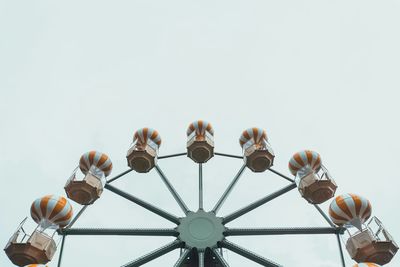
341	250
172	155
182	258
200	186
77	217
248	254
281	175
229	189
61	252
324	215
283	231
154	254
172	190
143	204
258	203
228	155
220	258
119	176
201	258
126	232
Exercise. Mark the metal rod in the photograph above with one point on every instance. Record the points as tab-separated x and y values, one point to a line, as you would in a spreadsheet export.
281	175
282	231
201	258
119	232
61	251
220	258
257	203
341	251
182	258
228	155
201	186
154	254
172	155
77	216
248	254
172	190
119	176
143	204
229	189
324	215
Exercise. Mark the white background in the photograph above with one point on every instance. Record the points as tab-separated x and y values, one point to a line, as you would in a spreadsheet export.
83	75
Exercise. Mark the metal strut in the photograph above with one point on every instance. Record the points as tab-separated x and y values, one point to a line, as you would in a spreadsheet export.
257	203
229	189
172	190
283	231
119	232
155	254
201	258
182	258
248	254
220	258
61	252
341	251
201	186
143	204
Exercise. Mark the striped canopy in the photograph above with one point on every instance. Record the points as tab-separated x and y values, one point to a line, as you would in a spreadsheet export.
257	134
304	158
36	265
200	127
97	159
350	209
51	212
144	134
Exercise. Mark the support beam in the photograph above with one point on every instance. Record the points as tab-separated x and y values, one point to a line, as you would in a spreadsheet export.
341	251
228	155
201	187
61	251
283	231
220	258
324	215
257	204
228	190
119	176
201	258
143	204
155	254
281	175
172	155
248	254
76	217
118	232
175	194
182	258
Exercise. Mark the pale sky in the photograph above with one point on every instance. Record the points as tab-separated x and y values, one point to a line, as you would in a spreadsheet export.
83	75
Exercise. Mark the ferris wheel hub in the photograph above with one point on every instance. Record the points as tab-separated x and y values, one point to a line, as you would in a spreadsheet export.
201	230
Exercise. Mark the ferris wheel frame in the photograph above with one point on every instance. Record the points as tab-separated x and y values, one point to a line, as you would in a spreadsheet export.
173	232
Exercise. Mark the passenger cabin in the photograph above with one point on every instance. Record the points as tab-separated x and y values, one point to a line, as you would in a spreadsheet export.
36	248
372	244
200	143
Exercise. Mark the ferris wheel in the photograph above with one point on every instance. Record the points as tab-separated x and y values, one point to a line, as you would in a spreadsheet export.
201	234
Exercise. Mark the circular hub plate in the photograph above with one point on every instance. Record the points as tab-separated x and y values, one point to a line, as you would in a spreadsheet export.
201	230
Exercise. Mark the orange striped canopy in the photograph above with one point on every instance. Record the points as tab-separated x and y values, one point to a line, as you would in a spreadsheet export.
36	265
144	134
200	127
350	209
97	159
367	264
257	134
304	158
51	212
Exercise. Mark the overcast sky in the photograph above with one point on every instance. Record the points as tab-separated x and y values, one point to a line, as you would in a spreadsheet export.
83	75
